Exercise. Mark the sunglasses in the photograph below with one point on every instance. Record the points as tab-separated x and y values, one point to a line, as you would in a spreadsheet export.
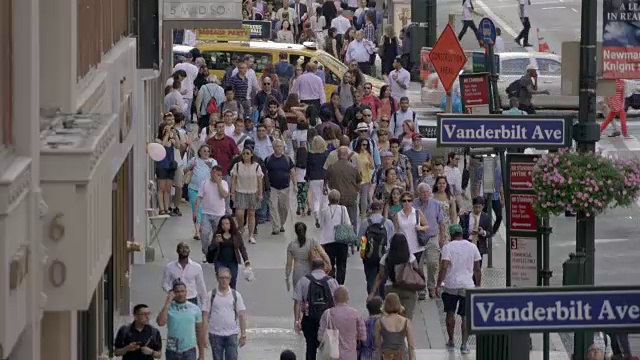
384	120
406	200
266	83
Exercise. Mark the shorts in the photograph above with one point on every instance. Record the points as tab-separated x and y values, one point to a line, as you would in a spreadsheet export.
178	178
454	302
165	174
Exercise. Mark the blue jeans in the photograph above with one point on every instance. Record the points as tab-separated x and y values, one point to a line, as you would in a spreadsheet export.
190	354
224	347
263	213
233	266
208	227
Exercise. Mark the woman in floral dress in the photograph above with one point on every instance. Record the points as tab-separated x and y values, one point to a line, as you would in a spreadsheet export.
442	194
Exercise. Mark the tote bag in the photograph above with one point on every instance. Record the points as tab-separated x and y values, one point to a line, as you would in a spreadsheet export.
330	344
343	233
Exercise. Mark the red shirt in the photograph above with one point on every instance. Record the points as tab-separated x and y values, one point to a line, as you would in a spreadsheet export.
616	102
223	151
374	103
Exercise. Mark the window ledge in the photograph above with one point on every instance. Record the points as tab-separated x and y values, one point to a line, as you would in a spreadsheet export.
15	181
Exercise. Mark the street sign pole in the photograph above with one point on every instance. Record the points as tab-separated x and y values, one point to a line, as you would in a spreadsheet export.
493	79
449	104
587	133
489	186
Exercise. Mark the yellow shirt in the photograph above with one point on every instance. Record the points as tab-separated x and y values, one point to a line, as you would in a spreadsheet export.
365	166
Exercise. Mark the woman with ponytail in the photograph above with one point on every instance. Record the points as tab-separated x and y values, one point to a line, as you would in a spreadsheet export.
298	255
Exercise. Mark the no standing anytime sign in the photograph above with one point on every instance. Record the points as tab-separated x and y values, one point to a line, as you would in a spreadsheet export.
447	57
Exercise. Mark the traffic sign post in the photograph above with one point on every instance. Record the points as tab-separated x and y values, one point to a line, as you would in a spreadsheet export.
487	31
474	93
448	59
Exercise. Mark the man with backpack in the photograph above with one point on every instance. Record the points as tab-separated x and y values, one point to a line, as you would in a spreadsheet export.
375	233
524	89
313	295
210	97
399	117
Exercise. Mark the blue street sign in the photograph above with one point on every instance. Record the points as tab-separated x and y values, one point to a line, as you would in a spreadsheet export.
535	131
553	309
487	30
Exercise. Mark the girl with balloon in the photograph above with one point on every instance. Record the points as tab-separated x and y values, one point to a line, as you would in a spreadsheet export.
163	153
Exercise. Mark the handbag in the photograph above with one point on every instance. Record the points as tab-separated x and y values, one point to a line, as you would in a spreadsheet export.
408	277
343	233
316	253
330	344
423	239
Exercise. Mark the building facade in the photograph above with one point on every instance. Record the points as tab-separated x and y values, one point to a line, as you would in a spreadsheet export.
73	130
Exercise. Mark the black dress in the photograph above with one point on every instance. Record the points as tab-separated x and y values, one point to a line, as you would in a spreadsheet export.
389	53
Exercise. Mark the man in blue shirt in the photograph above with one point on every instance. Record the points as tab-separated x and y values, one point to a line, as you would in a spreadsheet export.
184	325
433	213
280	171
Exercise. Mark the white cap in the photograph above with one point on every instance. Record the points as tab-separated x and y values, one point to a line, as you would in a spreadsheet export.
362	127
531	67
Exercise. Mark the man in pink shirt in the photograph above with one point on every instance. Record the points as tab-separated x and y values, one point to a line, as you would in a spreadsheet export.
347	321
212	194
309	87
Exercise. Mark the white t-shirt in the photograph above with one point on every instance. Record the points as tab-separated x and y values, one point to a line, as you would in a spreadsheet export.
192	73
228	130
341	23
222	316
466	11
300	174
383	259
212	202
525	8
462	255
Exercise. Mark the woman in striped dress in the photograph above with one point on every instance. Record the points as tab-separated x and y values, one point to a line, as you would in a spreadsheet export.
616	107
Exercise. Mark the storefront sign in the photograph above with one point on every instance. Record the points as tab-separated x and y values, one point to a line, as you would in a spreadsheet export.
474	90
553	309
523	216
222	34
524	261
258	29
504	131
620	40
202	10
520	177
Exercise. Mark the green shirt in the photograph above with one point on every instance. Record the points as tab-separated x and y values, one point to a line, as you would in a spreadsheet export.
181	326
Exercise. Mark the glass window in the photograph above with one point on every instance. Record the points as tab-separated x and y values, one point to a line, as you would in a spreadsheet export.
549	67
220	60
330	77
514	66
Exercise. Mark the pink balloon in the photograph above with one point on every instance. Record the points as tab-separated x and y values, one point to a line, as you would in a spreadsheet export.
156	151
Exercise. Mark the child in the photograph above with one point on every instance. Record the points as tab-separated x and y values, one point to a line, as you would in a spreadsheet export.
301	174
499	45
368	348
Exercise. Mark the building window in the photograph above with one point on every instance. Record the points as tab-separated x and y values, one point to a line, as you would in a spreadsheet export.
6	76
101	24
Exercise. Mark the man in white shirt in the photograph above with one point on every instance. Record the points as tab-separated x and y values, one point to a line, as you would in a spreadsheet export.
360	50
224	312
212	195
341	23
187	84
239	135
399	79
467	21
254	87
400	116
453	173
526	25
187	271
460	269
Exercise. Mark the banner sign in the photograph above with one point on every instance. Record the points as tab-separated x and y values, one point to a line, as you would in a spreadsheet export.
222	34
258	29
533	310
620	40
541	132
474	91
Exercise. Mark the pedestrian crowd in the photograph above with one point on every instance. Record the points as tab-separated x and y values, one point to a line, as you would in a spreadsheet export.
356	165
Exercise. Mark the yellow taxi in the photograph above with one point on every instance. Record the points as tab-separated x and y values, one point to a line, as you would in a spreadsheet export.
218	56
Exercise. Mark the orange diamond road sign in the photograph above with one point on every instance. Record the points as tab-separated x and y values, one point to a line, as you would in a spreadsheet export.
447	57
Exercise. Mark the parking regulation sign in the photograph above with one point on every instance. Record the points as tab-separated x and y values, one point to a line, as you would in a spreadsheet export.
487	30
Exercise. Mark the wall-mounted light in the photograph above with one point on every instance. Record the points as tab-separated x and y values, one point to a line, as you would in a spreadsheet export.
19	267
56	229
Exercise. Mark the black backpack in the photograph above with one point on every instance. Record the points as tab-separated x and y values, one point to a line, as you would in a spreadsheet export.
319	297
376	235
513	90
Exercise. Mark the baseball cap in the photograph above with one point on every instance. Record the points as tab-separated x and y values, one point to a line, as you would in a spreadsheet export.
455	229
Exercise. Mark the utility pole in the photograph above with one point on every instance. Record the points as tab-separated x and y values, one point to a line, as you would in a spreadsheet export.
586	134
449	103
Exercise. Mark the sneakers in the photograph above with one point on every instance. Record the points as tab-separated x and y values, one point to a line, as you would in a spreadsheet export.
252	240
464	349
175	212
451	347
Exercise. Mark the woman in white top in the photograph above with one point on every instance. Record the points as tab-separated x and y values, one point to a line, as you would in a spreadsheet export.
330	217
406	222
246	191
285	35
318	23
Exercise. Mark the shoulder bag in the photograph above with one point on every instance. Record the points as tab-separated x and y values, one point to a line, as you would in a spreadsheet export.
343	233
330	344
422	235
409	277
317	252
